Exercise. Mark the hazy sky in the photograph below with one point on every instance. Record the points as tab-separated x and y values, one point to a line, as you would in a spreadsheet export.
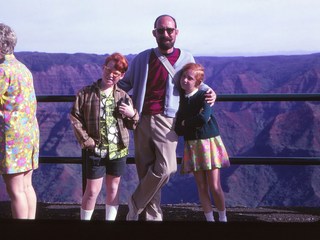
207	27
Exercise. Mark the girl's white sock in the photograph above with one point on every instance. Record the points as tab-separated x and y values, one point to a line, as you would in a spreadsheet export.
222	216
111	212
85	214
209	216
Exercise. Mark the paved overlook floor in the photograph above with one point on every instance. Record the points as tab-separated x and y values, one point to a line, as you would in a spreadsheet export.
181	221
180	212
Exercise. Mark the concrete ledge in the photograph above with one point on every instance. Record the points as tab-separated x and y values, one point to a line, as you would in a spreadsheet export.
76	229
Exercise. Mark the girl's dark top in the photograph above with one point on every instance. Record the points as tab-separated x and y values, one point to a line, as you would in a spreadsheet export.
199	122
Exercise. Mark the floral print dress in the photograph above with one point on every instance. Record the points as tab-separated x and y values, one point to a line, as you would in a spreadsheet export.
19	130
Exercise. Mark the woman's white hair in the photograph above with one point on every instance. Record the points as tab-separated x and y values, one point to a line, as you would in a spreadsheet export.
8	39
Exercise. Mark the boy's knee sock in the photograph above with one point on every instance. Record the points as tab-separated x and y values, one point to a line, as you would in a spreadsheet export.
111	212
85	214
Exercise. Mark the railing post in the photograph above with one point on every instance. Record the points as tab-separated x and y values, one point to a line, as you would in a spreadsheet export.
84	170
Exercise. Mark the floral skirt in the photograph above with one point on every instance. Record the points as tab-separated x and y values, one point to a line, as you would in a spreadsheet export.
204	154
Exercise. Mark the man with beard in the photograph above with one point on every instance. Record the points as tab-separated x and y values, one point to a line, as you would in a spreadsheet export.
155	94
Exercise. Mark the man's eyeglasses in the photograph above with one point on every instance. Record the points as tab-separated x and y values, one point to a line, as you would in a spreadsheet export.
162	30
114	73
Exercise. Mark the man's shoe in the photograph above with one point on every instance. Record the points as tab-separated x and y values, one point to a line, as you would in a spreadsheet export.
131	216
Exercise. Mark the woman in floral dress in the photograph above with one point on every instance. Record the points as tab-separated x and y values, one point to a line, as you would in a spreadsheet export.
19	130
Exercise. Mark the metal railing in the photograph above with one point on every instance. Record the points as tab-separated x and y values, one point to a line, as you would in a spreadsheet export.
223	97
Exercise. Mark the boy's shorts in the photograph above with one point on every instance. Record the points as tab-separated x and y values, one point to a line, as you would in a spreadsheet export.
97	167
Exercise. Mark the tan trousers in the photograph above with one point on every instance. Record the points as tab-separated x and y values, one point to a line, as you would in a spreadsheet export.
155	155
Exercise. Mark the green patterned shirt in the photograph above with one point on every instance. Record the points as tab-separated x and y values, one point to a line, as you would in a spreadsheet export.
109	128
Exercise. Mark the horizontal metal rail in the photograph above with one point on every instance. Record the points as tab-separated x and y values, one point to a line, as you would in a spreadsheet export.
269	97
233	160
220	97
